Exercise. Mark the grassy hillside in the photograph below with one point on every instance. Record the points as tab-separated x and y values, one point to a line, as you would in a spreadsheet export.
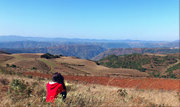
18	87
21	63
155	65
170	71
134	65
21	91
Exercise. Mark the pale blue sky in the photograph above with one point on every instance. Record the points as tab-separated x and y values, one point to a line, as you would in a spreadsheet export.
93	19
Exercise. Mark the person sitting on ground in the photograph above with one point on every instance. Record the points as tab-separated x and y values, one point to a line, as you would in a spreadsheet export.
56	87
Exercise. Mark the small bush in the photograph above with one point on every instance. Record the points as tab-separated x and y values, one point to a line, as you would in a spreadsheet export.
33	68
19	90
18	85
5	71
30	76
4	81
122	93
178	95
13	66
7	65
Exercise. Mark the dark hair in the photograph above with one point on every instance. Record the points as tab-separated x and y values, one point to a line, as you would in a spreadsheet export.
57	77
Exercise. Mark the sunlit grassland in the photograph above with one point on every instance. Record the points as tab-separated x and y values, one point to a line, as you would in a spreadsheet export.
51	64
32	92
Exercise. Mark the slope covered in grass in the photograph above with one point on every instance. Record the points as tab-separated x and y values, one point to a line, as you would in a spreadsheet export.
22	91
65	65
155	65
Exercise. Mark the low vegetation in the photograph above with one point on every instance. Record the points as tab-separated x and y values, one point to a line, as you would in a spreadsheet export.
32	92
50	56
19	87
12	66
134	61
128	51
171	69
154	65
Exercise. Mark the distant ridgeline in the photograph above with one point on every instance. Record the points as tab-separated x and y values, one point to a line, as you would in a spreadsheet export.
84	48
155	65
92	52
81	51
126	51
2	52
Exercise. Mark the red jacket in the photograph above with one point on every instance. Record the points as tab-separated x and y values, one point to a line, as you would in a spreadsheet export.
53	89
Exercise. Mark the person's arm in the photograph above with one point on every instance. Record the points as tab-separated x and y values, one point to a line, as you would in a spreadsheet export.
64	92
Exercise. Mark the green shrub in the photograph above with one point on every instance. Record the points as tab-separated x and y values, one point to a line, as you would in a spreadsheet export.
50	56
175	67
133	61
33	68
19	90
122	93
156	74
30	76
18	85
7	65
171	69
13	66
5	71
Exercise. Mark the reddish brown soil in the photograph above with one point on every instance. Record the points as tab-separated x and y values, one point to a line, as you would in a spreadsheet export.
139	83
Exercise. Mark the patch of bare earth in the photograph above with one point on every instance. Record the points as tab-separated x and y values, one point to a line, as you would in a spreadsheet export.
139	83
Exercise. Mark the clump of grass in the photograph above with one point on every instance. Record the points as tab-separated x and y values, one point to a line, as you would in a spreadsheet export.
7	65
4	81
19	89
82	99
31	92
178	95
30	76
33	68
7	71
122	92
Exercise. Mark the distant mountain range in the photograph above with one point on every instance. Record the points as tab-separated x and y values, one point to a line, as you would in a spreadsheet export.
102	42
82	48
81	51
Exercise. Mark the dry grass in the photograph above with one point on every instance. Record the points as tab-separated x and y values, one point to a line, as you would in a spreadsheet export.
87	95
92	68
66	65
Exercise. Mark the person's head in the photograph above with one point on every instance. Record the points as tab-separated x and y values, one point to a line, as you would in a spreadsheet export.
57	77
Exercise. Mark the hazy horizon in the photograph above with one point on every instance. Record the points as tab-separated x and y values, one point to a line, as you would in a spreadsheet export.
148	20
85	38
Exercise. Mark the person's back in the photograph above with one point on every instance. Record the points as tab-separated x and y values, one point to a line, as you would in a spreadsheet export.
56	87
